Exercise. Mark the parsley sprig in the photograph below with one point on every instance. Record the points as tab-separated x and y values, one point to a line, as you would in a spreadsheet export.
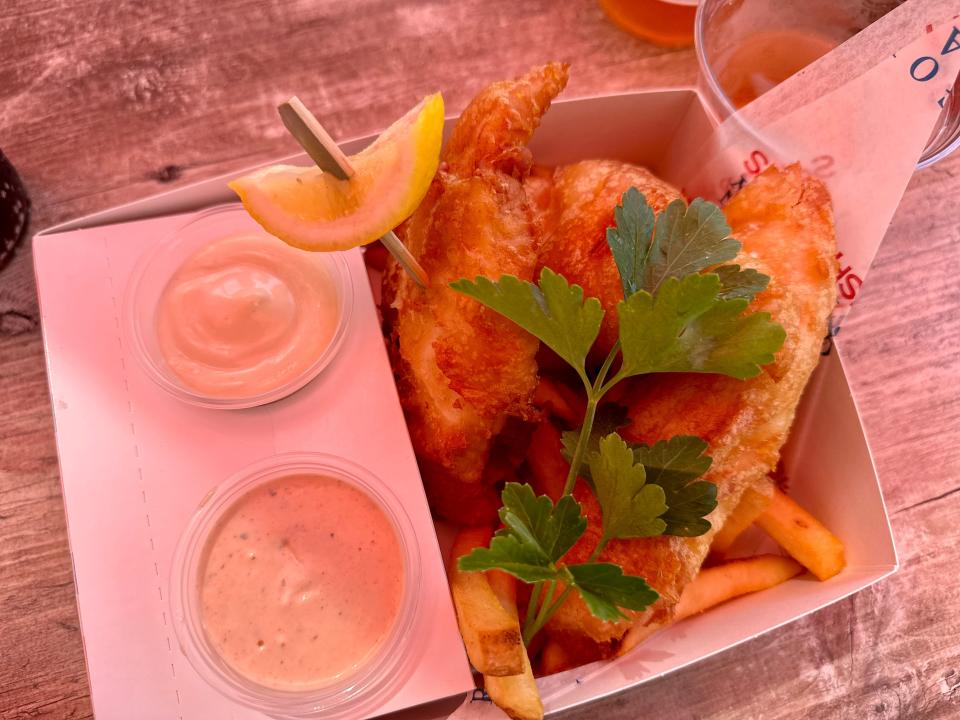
683	311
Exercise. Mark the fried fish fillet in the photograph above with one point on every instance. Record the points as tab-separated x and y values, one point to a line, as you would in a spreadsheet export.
576	219
784	221
461	368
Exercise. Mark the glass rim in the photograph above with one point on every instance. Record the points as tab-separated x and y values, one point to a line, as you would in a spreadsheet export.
381	671
935	150
706	70
339	273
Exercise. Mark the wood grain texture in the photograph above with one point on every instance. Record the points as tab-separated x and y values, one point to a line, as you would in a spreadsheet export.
104	102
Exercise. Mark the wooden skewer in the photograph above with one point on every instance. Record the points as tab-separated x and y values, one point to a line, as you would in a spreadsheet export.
328	157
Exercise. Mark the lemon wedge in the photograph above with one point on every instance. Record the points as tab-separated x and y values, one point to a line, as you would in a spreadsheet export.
313	210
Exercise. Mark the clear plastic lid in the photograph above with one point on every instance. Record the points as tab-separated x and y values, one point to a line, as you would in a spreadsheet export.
150	279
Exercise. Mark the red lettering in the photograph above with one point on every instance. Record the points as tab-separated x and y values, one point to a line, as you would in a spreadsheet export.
847	282
755	163
843	271
823	166
848	289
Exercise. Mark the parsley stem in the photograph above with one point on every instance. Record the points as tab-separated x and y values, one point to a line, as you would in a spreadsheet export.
549	597
604	369
594	395
532	607
547	609
581	448
613	381
547	612
537	616
541	613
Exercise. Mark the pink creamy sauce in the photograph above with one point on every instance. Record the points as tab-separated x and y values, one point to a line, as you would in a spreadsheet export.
302	580
245	315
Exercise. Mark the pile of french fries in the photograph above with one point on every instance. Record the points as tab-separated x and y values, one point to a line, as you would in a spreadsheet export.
487	611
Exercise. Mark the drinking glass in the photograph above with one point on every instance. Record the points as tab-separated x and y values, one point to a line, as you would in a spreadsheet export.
746	47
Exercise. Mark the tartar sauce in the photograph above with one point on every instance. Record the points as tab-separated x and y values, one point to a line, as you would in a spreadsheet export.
302	579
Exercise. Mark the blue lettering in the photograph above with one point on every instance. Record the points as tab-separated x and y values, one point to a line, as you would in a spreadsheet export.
916	66
953	42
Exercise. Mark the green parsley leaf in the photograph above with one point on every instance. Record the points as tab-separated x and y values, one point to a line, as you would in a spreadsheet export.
554	312
508	553
675	462
674	465
687	327
629	240
688	239
686	517
605	589
735	282
536	522
631	507
537	533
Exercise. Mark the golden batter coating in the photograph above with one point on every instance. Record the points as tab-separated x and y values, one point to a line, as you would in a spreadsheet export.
462	369
784	221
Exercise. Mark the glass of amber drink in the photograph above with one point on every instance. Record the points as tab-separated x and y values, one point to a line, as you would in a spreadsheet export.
747	47
663	22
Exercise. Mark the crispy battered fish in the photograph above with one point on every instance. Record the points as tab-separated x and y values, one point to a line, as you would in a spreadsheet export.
784	221
576	219
462	369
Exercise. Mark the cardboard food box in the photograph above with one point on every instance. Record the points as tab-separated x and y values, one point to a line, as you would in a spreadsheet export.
135	462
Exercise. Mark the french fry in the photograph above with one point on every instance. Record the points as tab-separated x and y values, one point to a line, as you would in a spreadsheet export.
717	584
517	695
751	506
545	458
491	632
803	536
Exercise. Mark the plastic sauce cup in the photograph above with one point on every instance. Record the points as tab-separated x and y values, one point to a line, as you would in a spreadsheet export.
155	270
352	694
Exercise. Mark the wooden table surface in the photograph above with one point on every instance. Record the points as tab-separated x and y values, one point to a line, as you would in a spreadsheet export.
103	102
